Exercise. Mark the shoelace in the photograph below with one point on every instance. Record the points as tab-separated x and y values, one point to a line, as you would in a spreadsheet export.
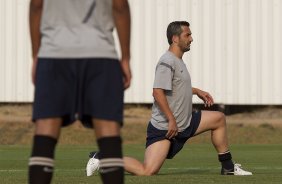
239	166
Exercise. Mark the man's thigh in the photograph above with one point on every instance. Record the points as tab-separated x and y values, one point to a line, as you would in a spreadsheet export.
209	121
155	156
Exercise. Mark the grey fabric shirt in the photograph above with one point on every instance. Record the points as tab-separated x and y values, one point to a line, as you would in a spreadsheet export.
77	29
172	76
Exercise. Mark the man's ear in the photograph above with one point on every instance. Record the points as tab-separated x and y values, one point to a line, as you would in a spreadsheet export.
175	39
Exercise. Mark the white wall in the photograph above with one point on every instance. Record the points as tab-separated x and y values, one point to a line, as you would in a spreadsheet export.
236	54
15	52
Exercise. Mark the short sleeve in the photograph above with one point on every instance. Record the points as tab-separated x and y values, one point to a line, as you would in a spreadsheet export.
163	76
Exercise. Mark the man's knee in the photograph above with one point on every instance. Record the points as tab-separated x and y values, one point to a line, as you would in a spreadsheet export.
106	128
48	127
221	118
150	172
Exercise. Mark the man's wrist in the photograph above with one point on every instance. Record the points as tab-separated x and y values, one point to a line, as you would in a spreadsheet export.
195	91
171	118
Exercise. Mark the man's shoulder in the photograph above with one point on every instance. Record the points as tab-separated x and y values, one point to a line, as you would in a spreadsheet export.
167	58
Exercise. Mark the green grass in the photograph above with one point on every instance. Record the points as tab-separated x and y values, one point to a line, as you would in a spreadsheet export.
196	163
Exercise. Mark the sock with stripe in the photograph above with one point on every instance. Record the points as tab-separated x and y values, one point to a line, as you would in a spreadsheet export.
111	162
226	160
41	162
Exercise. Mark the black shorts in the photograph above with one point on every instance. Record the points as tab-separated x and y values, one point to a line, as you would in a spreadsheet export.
78	89
177	143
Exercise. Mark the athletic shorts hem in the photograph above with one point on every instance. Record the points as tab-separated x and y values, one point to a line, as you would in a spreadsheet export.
66	118
86	120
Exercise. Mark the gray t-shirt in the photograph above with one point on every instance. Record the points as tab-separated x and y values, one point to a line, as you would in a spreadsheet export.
77	29
172	76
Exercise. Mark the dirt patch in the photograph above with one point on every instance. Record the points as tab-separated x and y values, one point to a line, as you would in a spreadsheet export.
269	115
259	126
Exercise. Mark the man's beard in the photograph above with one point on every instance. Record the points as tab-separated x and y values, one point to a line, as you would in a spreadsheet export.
186	49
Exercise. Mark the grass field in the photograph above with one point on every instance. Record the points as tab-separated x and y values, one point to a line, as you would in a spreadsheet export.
197	163
255	138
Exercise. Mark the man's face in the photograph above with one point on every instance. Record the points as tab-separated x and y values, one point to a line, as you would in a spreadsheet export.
185	39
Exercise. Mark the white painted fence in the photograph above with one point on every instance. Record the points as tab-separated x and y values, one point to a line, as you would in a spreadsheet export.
236	54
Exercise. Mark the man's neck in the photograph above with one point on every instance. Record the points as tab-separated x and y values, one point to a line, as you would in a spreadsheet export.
176	51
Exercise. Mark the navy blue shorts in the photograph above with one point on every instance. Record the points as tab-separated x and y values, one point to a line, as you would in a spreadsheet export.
177	143
78	89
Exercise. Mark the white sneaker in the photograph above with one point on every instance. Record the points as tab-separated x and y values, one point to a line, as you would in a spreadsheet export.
92	165
240	172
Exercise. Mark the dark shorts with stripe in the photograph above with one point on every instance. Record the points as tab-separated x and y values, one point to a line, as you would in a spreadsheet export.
78	89
177	143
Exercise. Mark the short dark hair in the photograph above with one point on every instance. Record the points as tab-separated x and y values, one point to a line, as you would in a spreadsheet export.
174	28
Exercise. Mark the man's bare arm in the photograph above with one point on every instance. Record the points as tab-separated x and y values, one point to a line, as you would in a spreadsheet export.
35	10
160	98
205	96
121	15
